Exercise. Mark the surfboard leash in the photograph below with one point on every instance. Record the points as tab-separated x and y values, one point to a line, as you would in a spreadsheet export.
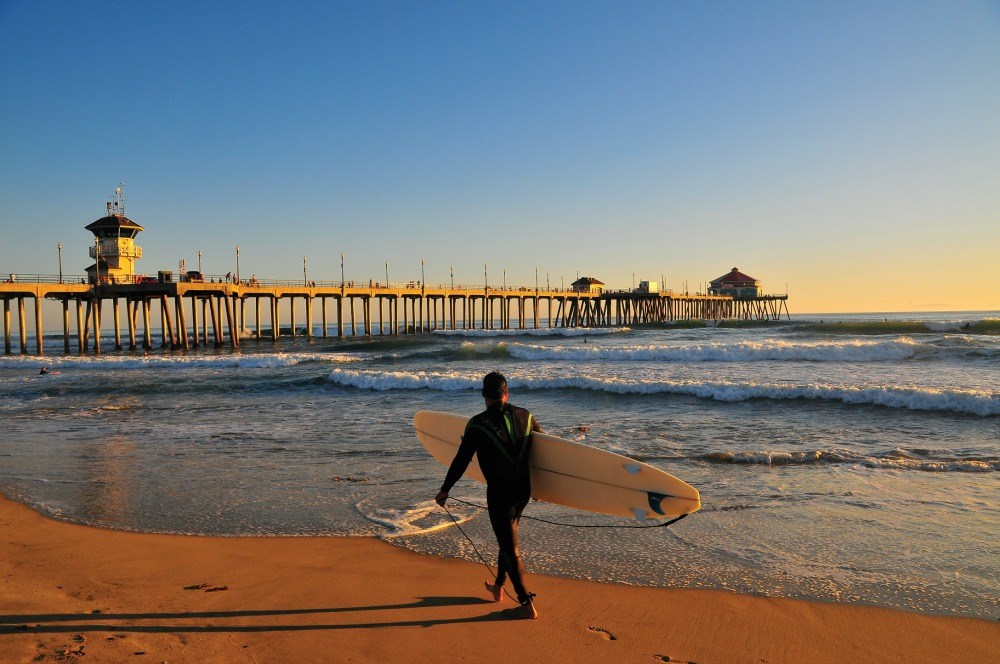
569	525
476	549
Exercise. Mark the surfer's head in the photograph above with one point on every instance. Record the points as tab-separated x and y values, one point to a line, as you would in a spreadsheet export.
494	386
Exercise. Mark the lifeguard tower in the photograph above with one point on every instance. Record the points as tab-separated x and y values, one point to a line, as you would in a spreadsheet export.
114	250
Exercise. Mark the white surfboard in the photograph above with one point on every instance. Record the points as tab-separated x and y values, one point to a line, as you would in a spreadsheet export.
573	474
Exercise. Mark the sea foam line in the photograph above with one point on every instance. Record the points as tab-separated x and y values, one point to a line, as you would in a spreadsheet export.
971	402
239	361
540	332
895	459
744	351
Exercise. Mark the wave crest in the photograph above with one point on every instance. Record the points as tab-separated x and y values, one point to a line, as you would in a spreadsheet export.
744	351
898	459
970	402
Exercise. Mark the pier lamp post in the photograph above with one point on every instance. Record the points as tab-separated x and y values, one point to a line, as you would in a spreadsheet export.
199	260
453	278
237	263
305	273
505	278
423	282
536	280
386	275
486	277
59	249
562	280
341	270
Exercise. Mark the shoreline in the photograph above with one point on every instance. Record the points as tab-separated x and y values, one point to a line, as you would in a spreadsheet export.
70	590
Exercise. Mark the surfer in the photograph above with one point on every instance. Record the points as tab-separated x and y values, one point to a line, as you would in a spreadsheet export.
500	437
44	371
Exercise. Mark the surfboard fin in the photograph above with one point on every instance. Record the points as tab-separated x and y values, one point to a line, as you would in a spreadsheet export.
640	515
654	501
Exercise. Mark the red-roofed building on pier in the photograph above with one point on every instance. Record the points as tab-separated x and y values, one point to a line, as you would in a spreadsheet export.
737	285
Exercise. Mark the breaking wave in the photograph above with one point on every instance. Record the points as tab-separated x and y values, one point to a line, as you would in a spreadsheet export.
541	332
970	402
744	351
898	459
986	326
239	361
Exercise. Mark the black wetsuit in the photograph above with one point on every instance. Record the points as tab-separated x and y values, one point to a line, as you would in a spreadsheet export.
503	458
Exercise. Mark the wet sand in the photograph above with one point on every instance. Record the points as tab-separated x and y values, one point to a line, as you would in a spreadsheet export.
68	592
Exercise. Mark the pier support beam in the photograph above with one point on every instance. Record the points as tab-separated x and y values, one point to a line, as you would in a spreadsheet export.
323	304
181	321
275	318
97	325
22	325
130	313
147	333
309	317
234	341
39	337
6	327
257	315
65	308
118	325
194	322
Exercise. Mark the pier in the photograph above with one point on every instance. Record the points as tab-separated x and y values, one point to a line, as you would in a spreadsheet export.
199	311
193	315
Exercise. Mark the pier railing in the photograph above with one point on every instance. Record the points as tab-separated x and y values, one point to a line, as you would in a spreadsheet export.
19	278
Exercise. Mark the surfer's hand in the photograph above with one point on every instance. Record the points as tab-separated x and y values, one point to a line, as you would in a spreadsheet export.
441	497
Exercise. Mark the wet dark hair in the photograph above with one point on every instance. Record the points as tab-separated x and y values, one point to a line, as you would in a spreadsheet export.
494	385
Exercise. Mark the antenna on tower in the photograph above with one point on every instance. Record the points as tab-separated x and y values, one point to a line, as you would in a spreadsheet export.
117	203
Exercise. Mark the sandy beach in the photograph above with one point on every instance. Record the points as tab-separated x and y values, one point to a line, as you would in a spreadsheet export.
70	591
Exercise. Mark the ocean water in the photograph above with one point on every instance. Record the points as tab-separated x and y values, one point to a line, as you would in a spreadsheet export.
842	457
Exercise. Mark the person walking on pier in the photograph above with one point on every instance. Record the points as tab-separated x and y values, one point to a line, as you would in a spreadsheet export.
500	437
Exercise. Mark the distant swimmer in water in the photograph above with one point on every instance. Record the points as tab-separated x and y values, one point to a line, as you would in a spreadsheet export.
44	371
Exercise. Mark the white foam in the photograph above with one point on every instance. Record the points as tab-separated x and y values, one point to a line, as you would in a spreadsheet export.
744	351
406	522
974	402
896	459
240	361
541	332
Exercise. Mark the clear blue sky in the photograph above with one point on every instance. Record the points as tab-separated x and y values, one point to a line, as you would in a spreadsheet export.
848	149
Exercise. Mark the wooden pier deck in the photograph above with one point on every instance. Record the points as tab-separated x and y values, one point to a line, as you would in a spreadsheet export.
191	314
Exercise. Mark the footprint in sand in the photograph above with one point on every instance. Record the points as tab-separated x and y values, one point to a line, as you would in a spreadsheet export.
666	658
603	633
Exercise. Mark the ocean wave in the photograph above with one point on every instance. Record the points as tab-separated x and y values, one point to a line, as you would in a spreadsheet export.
236	360
541	332
969	402
985	326
897	459
744	351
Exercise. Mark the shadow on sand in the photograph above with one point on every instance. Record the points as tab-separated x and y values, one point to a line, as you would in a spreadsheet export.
121	622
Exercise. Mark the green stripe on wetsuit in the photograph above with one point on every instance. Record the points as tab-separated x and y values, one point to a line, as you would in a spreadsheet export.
499	443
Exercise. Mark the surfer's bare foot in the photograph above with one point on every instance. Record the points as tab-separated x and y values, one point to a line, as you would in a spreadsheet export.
525	611
495	591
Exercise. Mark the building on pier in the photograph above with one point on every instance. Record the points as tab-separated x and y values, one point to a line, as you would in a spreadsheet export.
588	285
114	251
736	285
